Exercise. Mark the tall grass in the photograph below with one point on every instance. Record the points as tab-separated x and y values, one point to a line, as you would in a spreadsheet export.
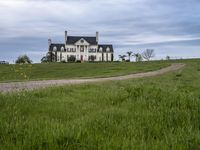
153	113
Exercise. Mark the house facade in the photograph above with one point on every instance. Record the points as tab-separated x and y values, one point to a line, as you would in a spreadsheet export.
80	48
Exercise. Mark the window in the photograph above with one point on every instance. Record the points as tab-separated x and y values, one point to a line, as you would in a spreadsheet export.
62	49
101	49
82	41
74	49
54	48
82	48
92	58
92	50
107	49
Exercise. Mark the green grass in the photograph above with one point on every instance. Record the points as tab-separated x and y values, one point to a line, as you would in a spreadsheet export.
68	71
152	113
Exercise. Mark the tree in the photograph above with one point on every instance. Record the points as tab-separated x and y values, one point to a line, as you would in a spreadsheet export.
122	57
129	55
44	59
24	59
138	57
167	57
50	57
148	54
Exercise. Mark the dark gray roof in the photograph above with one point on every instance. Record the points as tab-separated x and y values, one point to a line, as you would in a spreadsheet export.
58	46
105	46
74	39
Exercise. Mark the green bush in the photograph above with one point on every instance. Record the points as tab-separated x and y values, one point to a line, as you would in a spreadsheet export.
24	59
71	58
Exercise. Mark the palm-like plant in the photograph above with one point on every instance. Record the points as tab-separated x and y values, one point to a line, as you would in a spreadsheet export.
129	55
122	57
138	57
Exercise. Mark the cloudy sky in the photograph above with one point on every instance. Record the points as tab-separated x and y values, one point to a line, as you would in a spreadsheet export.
170	27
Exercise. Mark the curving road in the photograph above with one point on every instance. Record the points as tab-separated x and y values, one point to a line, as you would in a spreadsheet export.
31	85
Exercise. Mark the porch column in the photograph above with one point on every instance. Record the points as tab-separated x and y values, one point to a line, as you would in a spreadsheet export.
87	52
79	49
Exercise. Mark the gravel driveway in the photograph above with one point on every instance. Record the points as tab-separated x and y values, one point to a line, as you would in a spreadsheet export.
31	85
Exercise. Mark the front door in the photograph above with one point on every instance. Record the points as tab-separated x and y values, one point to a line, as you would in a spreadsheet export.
81	57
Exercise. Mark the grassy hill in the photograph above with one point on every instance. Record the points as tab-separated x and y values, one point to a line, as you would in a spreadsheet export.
151	113
72	70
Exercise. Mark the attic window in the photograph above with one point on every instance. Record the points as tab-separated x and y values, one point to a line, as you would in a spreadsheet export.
62	49
54	48
107	49
82	41
100	49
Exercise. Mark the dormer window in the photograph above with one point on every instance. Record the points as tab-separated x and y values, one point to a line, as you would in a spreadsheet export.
100	49
54	48
62	49
107	49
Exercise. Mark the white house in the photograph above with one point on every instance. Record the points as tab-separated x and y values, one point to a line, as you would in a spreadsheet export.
81	48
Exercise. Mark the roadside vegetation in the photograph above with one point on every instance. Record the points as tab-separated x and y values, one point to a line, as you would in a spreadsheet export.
25	72
23	59
147	55
151	113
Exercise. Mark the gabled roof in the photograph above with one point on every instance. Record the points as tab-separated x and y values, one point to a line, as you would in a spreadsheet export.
58	46
74	39
105	46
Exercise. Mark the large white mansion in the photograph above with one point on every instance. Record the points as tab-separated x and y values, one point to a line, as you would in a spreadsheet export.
81	48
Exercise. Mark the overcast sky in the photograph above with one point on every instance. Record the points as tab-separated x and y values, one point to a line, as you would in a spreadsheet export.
170	27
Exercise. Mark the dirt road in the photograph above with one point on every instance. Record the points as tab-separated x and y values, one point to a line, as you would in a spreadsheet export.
31	85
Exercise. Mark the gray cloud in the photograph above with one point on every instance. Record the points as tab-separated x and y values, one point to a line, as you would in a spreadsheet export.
165	25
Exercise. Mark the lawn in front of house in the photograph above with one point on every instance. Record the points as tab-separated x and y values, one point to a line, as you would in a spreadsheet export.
10	73
151	113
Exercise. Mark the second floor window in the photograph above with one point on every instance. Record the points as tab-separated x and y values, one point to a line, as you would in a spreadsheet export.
92	50
71	49
82	48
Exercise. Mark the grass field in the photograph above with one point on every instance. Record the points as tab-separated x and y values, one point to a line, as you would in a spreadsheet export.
152	113
69	71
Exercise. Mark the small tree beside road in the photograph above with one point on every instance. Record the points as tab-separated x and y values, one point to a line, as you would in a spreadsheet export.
148	54
24	59
129	54
167	57
122	57
138	57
